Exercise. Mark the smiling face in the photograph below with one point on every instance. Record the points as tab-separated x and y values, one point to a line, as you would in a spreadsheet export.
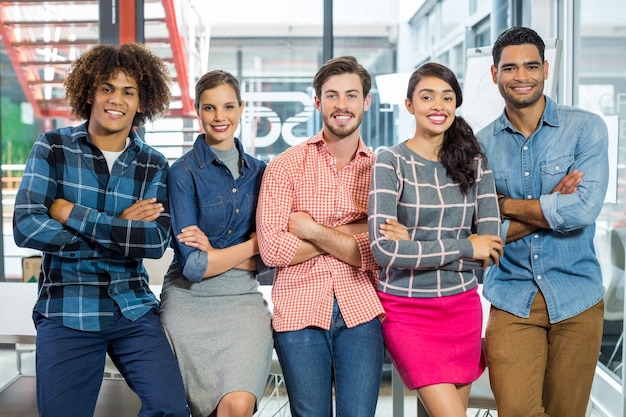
219	112
113	108
342	104
520	75
433	104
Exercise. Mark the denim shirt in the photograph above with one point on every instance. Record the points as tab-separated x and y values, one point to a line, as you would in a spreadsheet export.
560	261
203	192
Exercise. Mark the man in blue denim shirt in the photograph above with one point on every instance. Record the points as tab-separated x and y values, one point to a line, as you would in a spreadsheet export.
550	164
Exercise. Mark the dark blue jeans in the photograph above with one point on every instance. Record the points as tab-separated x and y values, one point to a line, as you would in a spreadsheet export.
70	367
313	358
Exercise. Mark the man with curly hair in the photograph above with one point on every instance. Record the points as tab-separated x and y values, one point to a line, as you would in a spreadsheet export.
93	201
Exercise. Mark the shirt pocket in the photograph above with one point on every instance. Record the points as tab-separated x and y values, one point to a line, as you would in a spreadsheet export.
211	214
553	171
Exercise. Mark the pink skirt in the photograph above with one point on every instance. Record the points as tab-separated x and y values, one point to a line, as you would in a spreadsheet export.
434	340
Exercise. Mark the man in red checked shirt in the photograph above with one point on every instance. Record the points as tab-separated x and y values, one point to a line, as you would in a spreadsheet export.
312	226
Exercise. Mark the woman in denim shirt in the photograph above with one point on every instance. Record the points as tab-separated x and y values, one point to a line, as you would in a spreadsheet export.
212	310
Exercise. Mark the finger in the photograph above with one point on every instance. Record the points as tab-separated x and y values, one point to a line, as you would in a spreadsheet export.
147	208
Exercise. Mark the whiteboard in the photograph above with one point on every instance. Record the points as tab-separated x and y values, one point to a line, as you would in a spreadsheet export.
482	102
392	87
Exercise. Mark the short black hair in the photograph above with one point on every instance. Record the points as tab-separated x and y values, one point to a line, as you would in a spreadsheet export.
517	35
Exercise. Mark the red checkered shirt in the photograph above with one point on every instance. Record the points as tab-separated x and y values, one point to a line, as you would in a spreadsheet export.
305	178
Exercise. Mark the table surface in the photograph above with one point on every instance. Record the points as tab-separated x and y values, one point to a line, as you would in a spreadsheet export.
16	308
18	298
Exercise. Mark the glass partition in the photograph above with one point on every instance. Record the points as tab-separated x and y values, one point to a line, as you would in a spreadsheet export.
602	89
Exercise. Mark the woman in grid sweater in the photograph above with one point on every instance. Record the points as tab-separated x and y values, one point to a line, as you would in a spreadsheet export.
433	222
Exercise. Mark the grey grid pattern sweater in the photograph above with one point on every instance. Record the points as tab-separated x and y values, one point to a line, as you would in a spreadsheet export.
439	217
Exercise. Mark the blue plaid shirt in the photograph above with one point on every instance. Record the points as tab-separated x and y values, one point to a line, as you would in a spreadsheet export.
92	266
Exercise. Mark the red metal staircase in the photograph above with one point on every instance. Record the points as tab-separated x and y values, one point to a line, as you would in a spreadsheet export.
42	38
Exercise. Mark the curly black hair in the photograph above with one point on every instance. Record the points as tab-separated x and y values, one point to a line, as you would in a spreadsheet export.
103	62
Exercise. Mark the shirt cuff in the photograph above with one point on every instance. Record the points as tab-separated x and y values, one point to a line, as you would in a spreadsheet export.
367	257
195	266
77	218
504	228
549	207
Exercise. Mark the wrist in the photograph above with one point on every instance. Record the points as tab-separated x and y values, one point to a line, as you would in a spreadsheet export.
501	201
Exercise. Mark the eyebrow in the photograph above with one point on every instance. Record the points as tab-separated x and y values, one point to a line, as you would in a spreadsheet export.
206	103
430	90
354	90
107	83
513	64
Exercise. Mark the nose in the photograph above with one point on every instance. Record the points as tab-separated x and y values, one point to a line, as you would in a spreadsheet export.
341	102
521	73
217	114
115	97
438	104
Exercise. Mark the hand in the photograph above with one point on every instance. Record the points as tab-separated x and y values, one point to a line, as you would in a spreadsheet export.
393	230
146	210
302	225
569	183
60	210
194	237
487	247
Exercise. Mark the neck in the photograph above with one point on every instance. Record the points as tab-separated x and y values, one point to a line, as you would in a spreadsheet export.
222	146
110	143
526	119
426	147
343	149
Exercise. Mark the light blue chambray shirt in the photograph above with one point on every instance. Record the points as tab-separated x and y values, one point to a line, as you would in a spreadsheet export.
560	261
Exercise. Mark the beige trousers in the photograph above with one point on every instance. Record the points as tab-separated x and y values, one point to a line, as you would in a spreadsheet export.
538	369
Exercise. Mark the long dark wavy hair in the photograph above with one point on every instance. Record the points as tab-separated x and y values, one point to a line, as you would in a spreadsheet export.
460	147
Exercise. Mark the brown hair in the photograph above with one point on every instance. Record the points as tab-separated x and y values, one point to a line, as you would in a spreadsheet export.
214	79
342	65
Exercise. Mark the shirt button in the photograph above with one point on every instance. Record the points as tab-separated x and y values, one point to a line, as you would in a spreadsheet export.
536	256
529	197
230	231
237	211
234	190
558	168
527	173
538	277
536	236
525	148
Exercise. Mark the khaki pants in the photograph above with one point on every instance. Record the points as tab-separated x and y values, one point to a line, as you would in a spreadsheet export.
538	369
